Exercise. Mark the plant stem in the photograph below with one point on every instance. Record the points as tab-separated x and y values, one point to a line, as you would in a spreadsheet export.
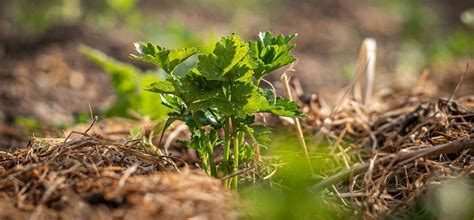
226	153
212	163
235	169
208	148
204	163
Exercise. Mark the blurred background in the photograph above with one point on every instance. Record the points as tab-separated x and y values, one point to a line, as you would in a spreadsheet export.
46	81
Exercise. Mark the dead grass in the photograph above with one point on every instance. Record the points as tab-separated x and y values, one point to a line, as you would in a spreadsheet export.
395	149
87	176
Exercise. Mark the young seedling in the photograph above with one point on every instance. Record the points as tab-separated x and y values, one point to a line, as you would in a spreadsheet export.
221	92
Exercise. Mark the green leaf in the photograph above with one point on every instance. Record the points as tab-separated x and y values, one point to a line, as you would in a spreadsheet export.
270	95
222	88
195	88
227	101
261	135
173	102
256	102
230	51
284	107
246	154
162	57
271	52
229	61
206	118
162	87
259	102
269	39
248	120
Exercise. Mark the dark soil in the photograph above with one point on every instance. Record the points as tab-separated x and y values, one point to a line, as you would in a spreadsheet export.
47	79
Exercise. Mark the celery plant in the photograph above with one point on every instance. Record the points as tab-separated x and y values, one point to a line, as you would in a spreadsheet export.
221	92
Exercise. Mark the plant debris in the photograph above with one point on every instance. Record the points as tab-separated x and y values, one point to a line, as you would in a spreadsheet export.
87	176
399	147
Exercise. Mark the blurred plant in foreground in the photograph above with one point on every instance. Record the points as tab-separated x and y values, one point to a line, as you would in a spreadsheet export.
287	194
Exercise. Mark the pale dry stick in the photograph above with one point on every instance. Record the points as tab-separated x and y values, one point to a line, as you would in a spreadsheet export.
258	156
339	139
94	119
240	172
353	194
339	195
371	168
372	57
270	175
459	83
345	157
173	135
363	121
286	84
367	57
363	62
421	82
63	145
126	174
401	159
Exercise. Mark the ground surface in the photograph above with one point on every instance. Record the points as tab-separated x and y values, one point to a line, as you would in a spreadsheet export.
100	174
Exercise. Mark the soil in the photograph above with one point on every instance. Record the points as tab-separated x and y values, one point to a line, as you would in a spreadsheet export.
47	79
104	176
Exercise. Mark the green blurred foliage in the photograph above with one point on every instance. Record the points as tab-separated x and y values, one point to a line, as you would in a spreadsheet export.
129	84
33	17
287	194
425	32
29	126
174	34
27	123
232	8
112	13
458	44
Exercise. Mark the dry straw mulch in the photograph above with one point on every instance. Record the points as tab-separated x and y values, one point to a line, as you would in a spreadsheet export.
395	149
88	177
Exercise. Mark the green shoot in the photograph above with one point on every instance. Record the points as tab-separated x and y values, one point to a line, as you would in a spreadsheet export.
221	93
